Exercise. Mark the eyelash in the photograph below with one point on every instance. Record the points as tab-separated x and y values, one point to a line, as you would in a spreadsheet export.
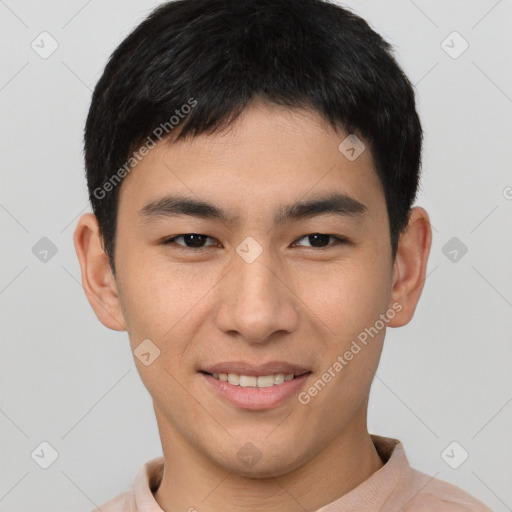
169	241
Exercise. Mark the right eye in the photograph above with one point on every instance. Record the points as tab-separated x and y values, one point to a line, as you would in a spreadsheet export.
193	241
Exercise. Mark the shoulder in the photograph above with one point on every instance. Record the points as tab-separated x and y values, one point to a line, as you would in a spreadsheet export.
440	496
147	479
415	491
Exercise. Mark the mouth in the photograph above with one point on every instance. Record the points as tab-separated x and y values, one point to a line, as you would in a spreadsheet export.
255	387
255	381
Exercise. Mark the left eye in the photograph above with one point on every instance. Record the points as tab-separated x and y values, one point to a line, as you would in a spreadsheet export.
196	241
320	238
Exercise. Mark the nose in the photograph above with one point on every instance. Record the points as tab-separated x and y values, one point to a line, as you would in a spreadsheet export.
256	300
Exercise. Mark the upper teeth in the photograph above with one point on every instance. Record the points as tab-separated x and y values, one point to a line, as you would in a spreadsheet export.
263	381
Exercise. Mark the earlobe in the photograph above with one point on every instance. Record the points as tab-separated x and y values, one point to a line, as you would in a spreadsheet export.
409	272
97	279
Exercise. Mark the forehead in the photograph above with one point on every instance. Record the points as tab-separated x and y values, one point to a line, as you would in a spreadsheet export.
270	155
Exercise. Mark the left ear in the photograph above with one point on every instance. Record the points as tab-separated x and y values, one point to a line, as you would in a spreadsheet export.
410	267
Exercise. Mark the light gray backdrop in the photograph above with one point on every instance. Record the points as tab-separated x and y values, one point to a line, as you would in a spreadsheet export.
68	381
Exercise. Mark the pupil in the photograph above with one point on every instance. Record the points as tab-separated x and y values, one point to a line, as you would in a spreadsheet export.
318	236
196	240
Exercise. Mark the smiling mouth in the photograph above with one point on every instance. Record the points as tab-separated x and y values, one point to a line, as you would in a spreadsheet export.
253	381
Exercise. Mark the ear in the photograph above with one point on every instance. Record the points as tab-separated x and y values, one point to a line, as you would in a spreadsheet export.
97	279
410	267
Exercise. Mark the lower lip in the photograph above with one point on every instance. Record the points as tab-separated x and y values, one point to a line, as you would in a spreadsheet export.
256	399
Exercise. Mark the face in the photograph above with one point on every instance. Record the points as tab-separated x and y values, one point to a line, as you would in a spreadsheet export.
253	287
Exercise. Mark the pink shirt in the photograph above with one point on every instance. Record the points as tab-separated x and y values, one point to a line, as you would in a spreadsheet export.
394	487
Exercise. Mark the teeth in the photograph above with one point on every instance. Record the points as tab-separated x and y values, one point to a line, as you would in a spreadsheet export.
234	379
250	381
266	381
279	378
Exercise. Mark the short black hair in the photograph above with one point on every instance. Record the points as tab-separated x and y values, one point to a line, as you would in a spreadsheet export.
196	64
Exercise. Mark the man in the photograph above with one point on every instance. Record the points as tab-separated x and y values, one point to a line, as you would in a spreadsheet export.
252	167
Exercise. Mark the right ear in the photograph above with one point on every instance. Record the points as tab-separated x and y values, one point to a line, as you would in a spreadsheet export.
98	280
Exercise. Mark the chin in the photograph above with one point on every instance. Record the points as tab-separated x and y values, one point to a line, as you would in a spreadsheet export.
250	462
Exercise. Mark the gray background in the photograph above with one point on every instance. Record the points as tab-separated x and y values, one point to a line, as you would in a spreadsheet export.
67	380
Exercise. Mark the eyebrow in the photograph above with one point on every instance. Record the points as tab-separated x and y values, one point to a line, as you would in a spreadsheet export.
331	204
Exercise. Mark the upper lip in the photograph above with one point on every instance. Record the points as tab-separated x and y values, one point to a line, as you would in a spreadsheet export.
256	370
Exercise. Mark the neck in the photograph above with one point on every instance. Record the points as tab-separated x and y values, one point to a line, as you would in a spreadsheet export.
192	482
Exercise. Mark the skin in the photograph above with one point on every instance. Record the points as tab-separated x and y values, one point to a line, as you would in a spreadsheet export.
294	303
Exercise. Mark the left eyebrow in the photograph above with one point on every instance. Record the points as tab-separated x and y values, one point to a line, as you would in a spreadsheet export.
331	204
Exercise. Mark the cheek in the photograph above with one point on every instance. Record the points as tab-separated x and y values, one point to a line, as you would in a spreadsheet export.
350	300
159	306
158	298
349	296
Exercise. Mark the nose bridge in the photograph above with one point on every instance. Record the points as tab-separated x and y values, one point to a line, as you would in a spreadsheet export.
257	281
255	302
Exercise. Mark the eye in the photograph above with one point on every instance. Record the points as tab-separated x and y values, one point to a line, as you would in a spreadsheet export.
194	240
320	240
